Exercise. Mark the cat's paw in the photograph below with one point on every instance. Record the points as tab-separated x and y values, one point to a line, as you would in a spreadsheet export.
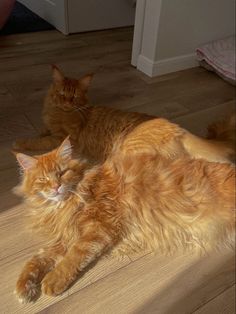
19	144
54	284
27	290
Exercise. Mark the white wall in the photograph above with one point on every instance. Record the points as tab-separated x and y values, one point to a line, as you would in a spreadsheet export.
173	29
185	24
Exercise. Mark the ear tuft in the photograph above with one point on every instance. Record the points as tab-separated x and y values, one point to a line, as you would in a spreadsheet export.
85	81
65	149
57	75
26	162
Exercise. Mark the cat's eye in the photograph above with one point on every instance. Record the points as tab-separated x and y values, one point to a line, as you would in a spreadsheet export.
42	179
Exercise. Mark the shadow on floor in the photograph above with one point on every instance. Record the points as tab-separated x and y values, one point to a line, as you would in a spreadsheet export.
202	287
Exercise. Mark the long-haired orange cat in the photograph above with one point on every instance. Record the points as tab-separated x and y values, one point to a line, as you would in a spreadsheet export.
94	130
165	206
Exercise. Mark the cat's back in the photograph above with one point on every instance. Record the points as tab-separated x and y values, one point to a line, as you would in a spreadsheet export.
104	126
105	119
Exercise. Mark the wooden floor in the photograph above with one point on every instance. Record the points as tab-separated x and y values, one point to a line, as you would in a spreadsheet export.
142	283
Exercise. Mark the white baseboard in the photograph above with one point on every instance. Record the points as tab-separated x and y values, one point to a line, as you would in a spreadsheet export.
166	65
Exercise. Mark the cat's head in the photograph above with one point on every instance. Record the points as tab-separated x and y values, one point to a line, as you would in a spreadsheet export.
45	177
69	93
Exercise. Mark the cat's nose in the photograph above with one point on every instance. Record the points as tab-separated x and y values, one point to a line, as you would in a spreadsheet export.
56	187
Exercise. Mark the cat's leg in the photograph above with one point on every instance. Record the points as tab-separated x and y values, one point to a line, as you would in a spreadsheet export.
37	143
89	247
28	283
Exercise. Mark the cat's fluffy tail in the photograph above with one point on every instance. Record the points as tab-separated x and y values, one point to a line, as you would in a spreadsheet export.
223	130
219	145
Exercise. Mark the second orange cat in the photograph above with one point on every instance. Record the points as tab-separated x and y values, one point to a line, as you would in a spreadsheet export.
94	130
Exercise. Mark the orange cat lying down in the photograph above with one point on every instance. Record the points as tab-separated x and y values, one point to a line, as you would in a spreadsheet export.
166	205
94	130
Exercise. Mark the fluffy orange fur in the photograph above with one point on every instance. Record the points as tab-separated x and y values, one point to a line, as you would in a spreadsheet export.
134	200
94	130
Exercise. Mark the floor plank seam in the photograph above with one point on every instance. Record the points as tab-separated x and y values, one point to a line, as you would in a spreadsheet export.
89	285
31	124
18	252
213	298
8	167
134	260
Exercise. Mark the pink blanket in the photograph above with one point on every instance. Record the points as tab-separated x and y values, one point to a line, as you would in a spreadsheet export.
220	55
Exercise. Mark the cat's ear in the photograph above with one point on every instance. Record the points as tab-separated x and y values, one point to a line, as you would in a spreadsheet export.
65	149
57	75
85	81
26	162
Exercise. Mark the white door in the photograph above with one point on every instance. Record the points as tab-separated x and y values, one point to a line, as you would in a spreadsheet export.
73	16
52	11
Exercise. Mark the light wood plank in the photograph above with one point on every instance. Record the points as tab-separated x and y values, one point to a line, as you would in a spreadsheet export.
222	304
7	158
166	110
197	122
9	179
15	234
13	125
10	269
154	285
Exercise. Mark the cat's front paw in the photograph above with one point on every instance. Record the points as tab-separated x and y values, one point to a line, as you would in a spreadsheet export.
19	144
54	284
27	290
